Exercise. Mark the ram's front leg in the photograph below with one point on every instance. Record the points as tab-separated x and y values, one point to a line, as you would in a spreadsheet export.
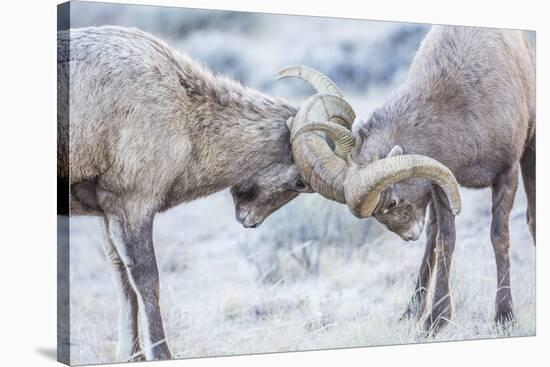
130	225
417	304
504	191
442	308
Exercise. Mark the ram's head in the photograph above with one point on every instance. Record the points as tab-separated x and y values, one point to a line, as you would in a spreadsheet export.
325	148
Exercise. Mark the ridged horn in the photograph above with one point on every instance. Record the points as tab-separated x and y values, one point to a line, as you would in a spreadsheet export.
319	81
322	168
343	138
363	185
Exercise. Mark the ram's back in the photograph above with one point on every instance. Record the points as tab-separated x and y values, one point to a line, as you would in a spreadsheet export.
122	99
479	84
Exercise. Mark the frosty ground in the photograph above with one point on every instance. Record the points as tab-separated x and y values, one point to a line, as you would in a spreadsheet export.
217	299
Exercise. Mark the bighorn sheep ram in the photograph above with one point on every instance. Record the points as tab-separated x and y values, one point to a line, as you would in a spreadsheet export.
467	111
143	128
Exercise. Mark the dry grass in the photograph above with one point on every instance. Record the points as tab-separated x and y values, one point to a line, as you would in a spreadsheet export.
217	299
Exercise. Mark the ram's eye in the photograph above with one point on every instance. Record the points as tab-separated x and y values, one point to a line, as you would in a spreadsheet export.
392	205
247	192
299	185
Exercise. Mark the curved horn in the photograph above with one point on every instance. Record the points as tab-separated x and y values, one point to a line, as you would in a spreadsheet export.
321	167
343	138
318	80
363	185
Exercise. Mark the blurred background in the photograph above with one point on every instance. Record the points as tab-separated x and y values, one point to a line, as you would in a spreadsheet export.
250	47
312	276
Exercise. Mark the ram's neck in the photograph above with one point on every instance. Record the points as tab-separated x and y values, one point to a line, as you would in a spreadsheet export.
253	135
420	118
409	119
241	130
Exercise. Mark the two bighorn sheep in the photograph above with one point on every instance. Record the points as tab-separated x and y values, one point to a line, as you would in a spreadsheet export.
143	128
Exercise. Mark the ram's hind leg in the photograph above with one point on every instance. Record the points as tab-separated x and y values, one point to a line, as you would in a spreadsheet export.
417	304
504	191
128	337
528	172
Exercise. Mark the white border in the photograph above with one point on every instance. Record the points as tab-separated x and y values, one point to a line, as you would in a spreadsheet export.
27	151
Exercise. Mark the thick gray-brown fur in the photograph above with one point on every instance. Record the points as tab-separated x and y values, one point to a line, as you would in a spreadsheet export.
147	128
468	101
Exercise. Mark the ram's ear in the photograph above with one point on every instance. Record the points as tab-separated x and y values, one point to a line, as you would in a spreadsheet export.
289	122
395	151
356	126
358	134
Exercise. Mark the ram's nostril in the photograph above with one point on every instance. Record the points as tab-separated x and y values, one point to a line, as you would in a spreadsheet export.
241	216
